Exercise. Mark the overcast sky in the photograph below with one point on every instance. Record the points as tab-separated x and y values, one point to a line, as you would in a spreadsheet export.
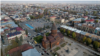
52	1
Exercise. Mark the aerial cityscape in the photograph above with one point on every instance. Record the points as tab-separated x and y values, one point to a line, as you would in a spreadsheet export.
50	28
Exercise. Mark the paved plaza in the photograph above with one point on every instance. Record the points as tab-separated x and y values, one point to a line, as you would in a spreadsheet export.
63	51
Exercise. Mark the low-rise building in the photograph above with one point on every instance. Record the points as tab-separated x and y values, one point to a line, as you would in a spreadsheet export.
52	18
15	32
31	52
20	49
80	34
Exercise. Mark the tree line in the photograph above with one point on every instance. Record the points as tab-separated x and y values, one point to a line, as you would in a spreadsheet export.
14	43
36	16
86	40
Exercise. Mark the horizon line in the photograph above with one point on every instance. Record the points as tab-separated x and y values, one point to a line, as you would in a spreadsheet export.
49	3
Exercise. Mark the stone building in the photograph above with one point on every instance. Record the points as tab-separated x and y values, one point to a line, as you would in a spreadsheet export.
53	39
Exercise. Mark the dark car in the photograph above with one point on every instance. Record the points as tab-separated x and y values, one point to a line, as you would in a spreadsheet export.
36	45
42	53
39	46
47	53
30	38
43	49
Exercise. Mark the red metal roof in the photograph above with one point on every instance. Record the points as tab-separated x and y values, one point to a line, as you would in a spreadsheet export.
22	48
18	28
52	16
90	20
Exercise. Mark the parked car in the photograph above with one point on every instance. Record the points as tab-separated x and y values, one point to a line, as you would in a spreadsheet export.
47	53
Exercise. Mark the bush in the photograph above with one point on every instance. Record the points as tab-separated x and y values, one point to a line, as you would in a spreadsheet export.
57	48
47	34
84	39
38	39
74	35
68	33
63	44
88	41
70	44
96	44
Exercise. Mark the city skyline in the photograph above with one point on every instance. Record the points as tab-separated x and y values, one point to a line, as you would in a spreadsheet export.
52	1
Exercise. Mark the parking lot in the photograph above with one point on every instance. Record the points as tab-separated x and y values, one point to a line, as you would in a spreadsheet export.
35	24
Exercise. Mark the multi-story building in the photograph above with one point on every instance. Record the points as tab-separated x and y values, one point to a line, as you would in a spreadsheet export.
88	27
80	34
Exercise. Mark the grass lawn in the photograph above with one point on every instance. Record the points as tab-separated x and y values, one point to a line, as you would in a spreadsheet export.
63	44
57	48
38	39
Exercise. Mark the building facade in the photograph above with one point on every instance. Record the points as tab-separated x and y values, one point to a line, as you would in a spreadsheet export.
53	39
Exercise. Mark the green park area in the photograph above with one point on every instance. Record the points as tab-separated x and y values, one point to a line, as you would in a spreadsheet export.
57	48
39	38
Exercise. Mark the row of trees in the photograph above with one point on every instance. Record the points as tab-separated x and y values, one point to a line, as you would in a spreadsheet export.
46	12
86	40
26	32
14	43
36	17
40	29
70	11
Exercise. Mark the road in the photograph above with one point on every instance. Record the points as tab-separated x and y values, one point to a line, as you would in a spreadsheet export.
90	50
31	41
40	50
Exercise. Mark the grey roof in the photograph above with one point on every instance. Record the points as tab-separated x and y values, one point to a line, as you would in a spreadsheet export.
11	23
2	30
31	52
98	28
78	19
79	24
78	31
83	33
2	16
5	28
73	29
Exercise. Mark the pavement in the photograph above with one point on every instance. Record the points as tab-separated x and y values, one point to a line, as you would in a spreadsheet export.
63	51
81	47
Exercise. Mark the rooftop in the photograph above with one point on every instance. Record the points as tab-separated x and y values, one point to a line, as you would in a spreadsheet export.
22	47
81	32
31	52
13	34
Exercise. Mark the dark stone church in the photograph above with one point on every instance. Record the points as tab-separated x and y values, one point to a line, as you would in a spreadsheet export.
54	38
